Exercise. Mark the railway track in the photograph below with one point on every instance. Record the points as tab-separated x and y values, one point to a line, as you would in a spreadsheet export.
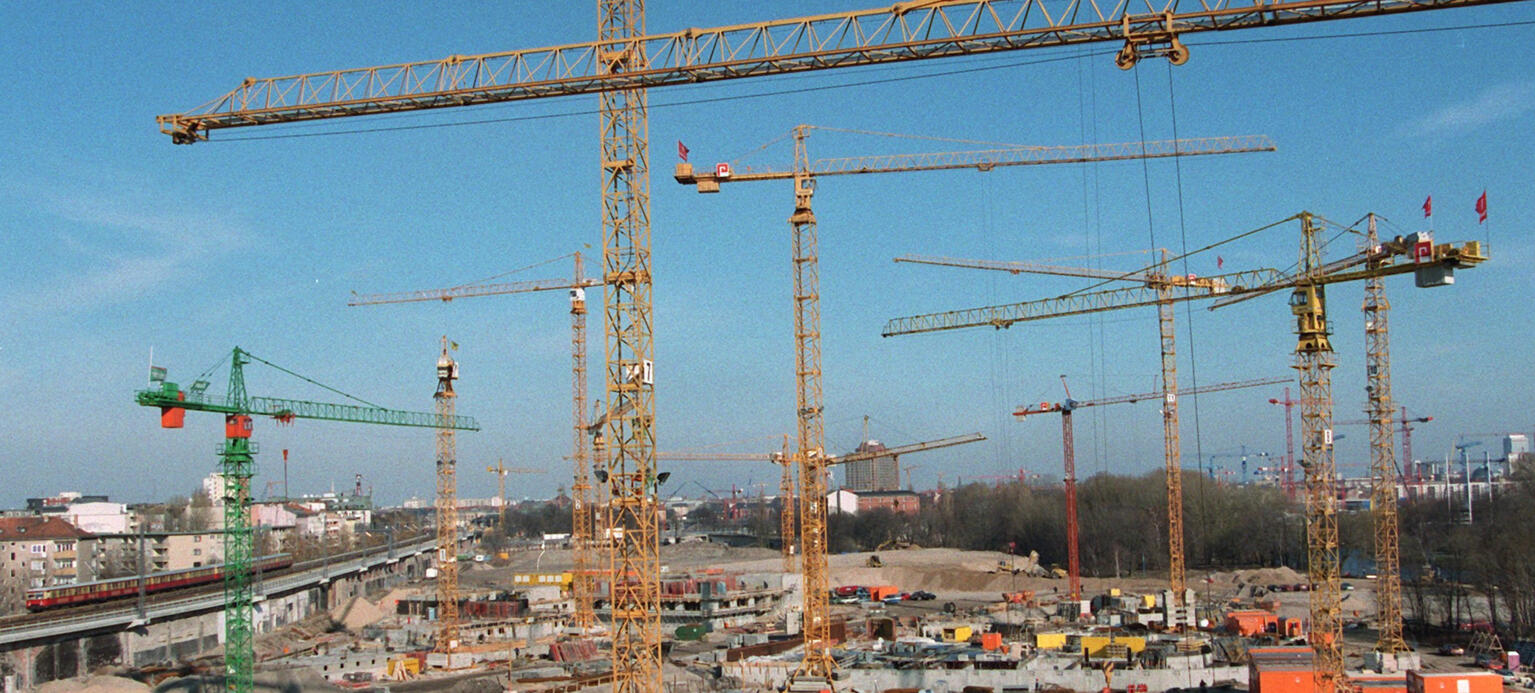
160	600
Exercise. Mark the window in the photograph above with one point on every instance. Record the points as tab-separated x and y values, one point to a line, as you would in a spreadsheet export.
37	565
197	538
197	552
64	563
39	549
63	546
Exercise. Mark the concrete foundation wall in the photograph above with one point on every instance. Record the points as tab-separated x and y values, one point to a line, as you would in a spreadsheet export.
774	675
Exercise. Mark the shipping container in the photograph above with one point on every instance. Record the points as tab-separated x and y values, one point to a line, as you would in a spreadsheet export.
1454	682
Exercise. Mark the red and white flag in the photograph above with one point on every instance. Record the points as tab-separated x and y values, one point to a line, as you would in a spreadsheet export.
1428	206
1481	208
1219	262
682	151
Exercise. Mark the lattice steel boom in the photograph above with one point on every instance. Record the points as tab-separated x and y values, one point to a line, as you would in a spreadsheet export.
897	33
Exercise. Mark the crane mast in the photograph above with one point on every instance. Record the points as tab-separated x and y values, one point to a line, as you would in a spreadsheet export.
447	506
1171	444
625	167
1388	584
1314	362
817	663
583	581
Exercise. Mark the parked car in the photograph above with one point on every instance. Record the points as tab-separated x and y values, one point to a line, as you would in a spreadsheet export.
1450	649
922	596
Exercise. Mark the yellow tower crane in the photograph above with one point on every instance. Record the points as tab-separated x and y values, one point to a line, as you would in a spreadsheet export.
623	63
583	574
501	470
447	506
1158	277
1433	264
817	664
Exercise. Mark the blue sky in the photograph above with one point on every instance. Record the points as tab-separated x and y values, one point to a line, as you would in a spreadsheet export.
118	242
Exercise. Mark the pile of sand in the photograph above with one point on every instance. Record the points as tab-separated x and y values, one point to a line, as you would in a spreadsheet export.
356	613
94	684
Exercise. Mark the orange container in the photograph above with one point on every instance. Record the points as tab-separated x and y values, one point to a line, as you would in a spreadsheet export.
172	417
1379	683
1280	670
991	642
1454	682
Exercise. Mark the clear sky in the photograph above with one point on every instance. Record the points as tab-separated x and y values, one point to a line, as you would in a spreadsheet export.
117	242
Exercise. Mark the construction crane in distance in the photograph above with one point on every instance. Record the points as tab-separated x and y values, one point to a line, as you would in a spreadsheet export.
583	573
1161	281
1241	456
1287	467
1068	454
237	466
620	66
1433	265
500	470
818	664
784	460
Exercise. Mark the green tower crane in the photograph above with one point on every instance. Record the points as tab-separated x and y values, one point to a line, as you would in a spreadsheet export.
237	466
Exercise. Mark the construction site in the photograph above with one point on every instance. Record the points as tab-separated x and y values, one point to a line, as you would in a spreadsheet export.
729	535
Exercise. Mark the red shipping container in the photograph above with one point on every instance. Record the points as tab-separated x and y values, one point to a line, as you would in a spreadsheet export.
1454	682
991	642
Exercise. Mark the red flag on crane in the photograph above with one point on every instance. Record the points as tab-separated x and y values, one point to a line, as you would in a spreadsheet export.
1428	206
1481	208
682	151
1219	262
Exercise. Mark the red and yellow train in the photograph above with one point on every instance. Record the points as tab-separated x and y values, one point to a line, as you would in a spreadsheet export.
118	588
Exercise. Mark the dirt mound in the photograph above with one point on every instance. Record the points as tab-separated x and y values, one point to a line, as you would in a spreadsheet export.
1268	576
356	613
94	684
